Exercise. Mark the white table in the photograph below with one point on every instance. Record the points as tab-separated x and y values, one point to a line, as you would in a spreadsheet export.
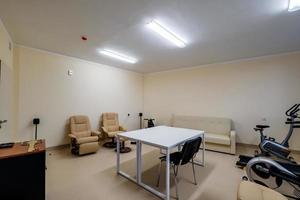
163	137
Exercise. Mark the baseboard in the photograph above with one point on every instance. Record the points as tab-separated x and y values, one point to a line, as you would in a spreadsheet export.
256	147
246	145
63	146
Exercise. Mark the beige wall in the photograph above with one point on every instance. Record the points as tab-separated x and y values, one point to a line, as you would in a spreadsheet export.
46	91
7	87
245	91
5	54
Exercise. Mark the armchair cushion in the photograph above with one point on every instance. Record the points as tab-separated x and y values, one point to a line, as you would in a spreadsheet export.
113	134
121	128
113	128
96	133
87	139
82	134
80	119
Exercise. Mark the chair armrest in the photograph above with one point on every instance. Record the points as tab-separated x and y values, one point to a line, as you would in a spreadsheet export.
104	129
96	133
122	128
232	142
72	136
232	134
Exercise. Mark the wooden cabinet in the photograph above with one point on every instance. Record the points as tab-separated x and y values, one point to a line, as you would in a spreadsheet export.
22	173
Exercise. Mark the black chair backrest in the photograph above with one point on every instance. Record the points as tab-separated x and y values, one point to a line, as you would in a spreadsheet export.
190	148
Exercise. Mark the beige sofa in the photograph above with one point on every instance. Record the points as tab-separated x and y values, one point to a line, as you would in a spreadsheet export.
219	135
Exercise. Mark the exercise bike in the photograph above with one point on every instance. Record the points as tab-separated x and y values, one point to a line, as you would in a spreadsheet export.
281	176
150	122
268	146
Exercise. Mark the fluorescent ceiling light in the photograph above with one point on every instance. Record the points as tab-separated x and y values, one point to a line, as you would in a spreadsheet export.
165	33
294	5
118	56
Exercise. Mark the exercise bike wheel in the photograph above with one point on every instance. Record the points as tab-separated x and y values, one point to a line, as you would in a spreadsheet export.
261	170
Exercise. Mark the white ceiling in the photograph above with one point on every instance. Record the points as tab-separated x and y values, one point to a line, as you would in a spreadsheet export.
215	30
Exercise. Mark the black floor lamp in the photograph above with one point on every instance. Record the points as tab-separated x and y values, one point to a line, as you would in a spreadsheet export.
141	124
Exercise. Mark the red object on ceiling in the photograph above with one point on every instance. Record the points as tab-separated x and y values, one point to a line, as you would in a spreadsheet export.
84	38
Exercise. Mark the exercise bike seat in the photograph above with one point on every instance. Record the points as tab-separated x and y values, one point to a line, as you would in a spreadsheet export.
262	126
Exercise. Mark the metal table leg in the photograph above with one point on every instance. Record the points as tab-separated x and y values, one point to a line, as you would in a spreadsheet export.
203	150
118	154
139	162
168	175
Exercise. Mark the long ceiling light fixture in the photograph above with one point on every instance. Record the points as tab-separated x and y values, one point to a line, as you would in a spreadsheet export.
118	56
165	33
294	5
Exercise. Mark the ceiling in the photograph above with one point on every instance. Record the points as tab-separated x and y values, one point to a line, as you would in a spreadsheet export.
215	30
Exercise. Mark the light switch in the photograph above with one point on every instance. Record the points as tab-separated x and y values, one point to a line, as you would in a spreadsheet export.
70	72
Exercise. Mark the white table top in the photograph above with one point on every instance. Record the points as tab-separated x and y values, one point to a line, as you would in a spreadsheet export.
163	136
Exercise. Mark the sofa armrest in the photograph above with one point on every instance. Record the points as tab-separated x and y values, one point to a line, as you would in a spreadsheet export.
232	141
122	128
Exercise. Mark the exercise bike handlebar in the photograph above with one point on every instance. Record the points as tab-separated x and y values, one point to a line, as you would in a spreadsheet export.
293	110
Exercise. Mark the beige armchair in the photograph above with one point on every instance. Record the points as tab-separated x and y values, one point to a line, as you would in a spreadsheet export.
83	140
110	128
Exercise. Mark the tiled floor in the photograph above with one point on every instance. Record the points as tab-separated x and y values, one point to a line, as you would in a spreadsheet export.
93	176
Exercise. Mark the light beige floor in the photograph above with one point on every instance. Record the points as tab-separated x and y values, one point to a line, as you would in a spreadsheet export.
93	176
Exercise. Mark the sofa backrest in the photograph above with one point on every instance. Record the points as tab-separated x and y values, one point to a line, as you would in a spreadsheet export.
207	124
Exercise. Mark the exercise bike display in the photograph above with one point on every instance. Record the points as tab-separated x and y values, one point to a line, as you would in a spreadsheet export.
268	146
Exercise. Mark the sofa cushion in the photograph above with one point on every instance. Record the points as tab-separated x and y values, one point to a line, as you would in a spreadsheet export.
207	124
217	138
253	191
87	139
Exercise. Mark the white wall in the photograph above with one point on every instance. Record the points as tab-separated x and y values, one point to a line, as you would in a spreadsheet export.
47	92
245	91
7	87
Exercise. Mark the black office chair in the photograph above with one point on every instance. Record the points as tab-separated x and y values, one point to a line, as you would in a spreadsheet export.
187	154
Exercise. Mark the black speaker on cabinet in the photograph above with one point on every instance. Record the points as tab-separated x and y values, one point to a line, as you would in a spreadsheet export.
36	122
